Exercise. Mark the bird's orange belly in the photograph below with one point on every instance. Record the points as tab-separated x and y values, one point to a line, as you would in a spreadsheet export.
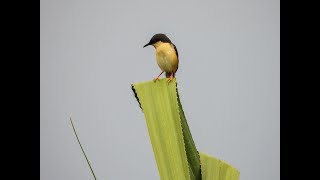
167	59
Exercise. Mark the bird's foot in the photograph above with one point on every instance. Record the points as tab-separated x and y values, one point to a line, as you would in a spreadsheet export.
155	79
170	78
158	77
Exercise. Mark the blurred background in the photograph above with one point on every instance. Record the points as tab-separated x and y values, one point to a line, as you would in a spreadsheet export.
228	80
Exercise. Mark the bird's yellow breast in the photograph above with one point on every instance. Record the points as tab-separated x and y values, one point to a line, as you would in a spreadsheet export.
166	57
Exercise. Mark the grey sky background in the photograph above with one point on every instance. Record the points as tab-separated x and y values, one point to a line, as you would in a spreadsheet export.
228	81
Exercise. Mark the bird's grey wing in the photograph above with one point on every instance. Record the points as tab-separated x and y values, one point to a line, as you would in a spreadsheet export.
175	48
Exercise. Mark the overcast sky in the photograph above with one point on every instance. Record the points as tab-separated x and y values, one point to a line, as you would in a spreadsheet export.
228	81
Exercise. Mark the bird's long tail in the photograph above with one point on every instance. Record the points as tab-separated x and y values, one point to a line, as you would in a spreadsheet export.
168	74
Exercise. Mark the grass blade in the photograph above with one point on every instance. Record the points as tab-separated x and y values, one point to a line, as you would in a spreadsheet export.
74	130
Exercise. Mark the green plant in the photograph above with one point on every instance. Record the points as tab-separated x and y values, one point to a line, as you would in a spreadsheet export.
175	152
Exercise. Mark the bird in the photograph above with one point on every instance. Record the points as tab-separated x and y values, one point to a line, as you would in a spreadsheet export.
166	55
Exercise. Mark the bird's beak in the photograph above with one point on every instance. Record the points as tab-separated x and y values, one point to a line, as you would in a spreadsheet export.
147	44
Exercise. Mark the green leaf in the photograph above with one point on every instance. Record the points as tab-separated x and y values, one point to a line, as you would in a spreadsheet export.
174	149
216	169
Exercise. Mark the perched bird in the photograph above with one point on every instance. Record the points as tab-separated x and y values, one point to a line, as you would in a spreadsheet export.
166	55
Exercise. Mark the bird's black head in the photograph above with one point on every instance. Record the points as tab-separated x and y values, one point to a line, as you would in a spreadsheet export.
157	38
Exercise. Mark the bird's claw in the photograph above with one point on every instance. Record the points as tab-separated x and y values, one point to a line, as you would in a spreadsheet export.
169	79
155	79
